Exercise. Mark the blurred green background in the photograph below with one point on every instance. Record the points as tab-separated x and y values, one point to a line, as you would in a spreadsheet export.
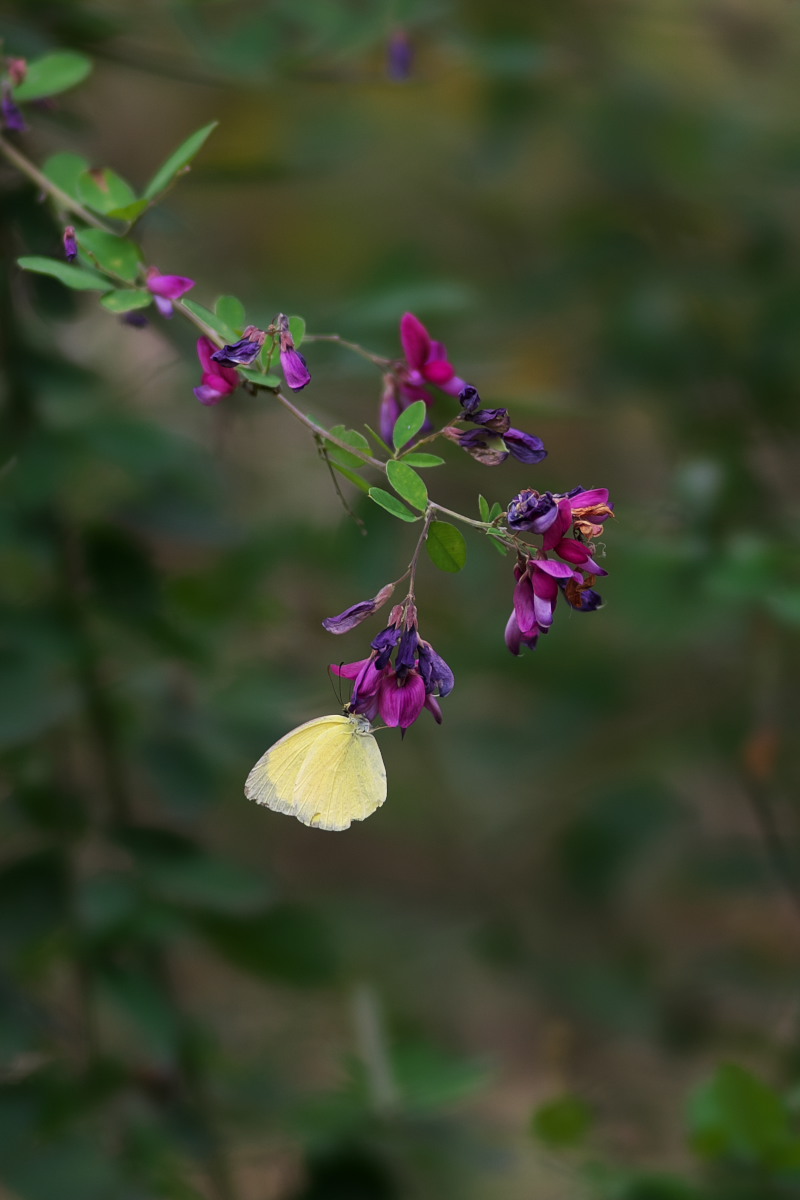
562	961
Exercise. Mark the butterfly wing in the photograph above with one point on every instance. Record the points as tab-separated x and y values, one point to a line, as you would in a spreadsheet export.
326	773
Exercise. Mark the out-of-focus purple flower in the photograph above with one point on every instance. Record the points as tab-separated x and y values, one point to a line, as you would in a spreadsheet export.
357	613
293	364
134	318
70	244
166	288
427	360
244	352
496	420
399	56
492	451
484	446
218	381
17	70
525	446
10	112
470	399
398	693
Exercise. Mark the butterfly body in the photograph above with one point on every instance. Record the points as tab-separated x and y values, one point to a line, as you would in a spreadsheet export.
327	773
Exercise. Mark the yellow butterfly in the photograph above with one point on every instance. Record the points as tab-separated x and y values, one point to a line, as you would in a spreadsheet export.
326	773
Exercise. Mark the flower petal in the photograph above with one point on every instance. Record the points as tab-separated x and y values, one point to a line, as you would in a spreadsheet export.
416	341
401	703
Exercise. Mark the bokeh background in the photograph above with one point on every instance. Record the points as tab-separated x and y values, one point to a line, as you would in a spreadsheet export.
562	961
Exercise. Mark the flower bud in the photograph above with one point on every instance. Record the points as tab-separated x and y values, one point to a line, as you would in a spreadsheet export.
357	613
70	244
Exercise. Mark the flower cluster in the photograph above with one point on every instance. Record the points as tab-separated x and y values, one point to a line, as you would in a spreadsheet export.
397	692
426	363
540	579
494	439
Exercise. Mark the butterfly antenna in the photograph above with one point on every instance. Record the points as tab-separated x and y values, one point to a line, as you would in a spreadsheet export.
337	687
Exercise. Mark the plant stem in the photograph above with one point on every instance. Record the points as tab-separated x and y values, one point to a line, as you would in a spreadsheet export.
448	512
377	359
321	432
64	201
412	566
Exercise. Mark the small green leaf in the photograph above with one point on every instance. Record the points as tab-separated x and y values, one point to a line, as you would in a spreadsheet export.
125	300
81	278
483	506
104	190
495	510
297	328
179	159
562	1122
409	423
129	212
422	460
205	314
446	546
52	74
64	171
231	311
351	475
115	254
353	438
269	381
391	504
378	439
408	484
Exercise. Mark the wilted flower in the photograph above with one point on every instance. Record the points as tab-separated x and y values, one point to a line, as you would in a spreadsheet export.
244	352
11	114
357	613
166	288
218	381
70	244
398	693
495	440
293	364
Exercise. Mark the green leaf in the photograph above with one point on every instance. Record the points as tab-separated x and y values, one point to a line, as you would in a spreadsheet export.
353	438
80	278
446	546
563	1122
378	439
391	504
351	475
52	74
297	328
64	170
104	190
176	162
495	510
113	253
129	212
422	460
409	423
205	314
270	381
231	311
125	300
737	1116
483	506
408	484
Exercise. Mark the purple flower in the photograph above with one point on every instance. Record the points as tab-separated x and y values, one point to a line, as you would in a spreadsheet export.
70	244
295	370
484	446
492	443
399	56
532	511
525	446
11	115
437	675
357	613
166	288
218	381
137	319
293	364
244	352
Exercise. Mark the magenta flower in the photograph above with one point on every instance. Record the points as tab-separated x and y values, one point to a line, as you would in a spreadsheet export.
166	288
397	694
293	365
427	360
218	381
70	244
